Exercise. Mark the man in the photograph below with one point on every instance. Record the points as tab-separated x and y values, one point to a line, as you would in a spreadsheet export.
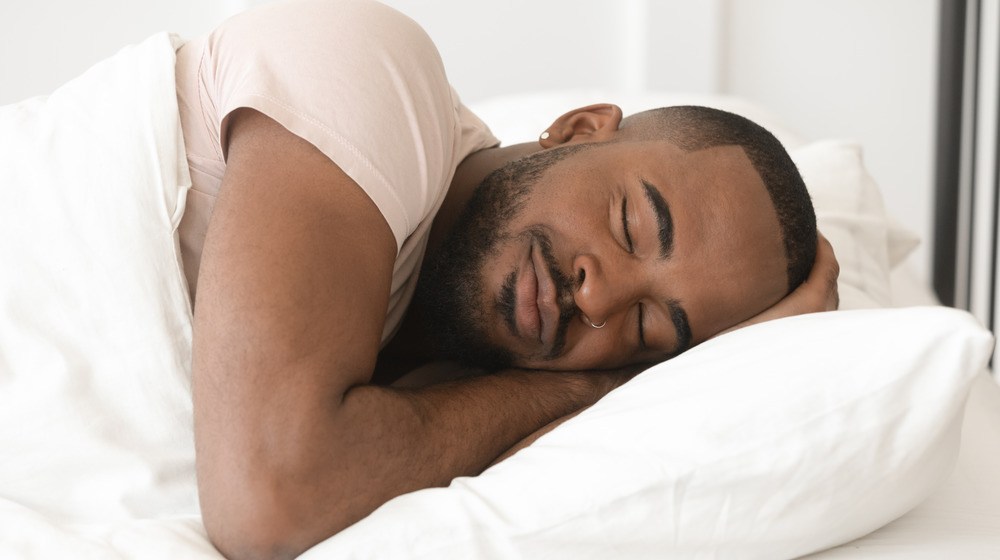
328	153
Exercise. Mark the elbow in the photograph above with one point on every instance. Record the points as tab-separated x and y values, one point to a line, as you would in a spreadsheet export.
242	540
255	528
244	551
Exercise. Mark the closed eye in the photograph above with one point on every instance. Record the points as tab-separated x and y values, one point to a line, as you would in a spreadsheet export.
642	334
631	249
628	236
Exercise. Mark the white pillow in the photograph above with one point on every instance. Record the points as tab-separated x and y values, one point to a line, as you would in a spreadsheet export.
95	325
773	441
850	213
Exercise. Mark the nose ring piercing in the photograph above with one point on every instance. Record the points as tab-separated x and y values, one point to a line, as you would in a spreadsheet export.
601	326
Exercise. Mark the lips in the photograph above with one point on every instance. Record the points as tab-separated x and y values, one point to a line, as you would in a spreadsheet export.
548	304
526	313
536	310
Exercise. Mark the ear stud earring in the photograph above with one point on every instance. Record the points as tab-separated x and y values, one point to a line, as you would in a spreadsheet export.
544	135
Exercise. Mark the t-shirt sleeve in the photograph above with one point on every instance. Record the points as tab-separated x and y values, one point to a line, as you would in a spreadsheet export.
361	82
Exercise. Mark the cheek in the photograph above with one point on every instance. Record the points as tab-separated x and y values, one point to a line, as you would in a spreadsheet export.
571	209
726	295
743	271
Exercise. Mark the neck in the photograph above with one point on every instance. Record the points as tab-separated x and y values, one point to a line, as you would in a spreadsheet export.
473	169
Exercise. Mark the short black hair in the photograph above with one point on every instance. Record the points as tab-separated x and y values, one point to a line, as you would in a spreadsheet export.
692	128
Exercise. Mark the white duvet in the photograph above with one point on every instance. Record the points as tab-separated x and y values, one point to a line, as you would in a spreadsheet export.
772	442
95	408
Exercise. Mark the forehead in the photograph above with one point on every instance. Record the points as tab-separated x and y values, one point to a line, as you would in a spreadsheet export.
713	179
719	181
729	237
732	240
706	166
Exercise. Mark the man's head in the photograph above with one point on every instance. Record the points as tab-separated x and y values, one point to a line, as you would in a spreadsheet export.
662	229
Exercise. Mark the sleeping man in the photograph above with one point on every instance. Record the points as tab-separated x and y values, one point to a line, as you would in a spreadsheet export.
328	154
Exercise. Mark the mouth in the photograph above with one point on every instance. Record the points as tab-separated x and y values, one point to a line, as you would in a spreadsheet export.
526	312
546	297
535	309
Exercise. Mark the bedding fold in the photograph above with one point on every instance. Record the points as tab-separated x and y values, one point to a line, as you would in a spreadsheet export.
95	325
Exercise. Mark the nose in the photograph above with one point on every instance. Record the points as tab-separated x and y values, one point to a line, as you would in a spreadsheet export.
605	288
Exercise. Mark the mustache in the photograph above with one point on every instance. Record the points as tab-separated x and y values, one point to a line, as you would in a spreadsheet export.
565	286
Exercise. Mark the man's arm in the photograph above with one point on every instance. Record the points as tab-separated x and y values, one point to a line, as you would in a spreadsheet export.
293	444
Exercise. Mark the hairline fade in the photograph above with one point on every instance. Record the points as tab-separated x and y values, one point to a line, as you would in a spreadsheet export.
693	128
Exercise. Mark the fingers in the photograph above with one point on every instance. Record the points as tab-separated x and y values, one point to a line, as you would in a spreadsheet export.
825	272
819	291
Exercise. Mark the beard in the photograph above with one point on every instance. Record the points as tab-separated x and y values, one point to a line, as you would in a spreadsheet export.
450	290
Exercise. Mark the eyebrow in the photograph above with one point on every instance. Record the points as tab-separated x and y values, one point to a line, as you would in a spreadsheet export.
663	219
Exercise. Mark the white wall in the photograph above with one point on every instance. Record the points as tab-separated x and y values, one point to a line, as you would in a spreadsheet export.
493	48
44	43
862	69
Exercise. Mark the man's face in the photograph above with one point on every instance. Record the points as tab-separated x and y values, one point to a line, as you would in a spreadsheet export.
662	247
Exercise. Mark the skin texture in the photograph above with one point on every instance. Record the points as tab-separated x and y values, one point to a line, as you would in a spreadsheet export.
293	442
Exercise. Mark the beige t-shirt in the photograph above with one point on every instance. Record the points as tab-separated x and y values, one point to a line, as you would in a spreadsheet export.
361	82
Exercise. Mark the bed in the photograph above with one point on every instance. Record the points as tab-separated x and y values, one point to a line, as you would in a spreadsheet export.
872	432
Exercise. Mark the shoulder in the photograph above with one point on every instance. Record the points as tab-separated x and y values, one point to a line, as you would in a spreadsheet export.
358	80
325	29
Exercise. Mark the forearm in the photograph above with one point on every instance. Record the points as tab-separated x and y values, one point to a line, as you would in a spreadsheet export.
458	428
533	436
335	467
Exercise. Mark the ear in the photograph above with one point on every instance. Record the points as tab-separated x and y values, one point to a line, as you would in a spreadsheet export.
593	123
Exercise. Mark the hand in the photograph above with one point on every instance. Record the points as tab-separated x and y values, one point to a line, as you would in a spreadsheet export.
817	293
